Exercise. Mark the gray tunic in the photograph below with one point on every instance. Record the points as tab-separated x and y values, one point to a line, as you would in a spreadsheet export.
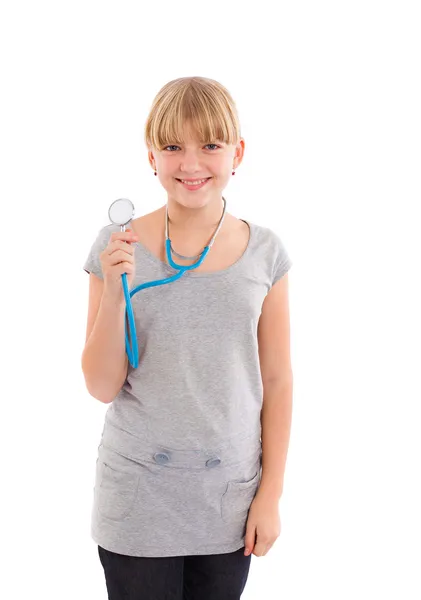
179	460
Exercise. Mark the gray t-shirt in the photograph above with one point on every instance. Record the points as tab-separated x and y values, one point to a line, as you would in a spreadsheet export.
192	407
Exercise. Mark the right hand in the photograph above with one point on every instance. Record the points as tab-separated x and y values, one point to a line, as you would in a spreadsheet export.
118	258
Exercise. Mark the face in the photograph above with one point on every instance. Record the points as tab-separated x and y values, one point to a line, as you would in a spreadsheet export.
195	161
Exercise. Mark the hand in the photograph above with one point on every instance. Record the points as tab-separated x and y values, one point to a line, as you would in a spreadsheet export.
118	258
263	525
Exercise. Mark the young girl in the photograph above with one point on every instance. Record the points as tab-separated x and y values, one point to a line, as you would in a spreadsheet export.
190	464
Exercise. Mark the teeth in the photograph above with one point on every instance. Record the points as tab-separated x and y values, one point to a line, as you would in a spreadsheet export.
194	182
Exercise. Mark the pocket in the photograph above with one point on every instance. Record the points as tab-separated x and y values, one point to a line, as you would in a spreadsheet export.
236	500
116	491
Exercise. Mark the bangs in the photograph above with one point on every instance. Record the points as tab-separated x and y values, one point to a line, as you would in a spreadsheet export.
193	106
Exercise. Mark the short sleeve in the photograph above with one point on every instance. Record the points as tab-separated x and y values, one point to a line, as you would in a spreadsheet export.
283	261
92	262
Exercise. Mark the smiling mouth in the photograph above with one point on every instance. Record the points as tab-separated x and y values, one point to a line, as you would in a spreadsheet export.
194	187
190	182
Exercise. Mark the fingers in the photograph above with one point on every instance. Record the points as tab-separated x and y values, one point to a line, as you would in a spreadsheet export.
124	236
250	539
119	257
120	246
261	549
252	543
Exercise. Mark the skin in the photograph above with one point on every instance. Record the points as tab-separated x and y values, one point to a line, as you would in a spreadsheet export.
200	209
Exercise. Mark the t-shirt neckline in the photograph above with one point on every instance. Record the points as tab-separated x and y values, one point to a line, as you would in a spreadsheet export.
194	272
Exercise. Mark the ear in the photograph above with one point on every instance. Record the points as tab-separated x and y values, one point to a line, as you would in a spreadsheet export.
151	159
239	152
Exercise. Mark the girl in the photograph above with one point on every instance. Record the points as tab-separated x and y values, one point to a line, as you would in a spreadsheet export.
191	458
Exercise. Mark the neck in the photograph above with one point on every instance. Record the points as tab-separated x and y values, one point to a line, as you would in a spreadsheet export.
182	217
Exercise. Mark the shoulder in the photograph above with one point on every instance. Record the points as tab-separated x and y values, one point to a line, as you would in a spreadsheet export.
104	234
265	234
268	240
269	247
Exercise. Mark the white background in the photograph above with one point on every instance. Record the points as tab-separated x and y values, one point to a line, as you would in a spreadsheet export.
328	95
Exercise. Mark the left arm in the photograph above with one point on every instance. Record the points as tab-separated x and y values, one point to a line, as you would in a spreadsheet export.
263	522
275	364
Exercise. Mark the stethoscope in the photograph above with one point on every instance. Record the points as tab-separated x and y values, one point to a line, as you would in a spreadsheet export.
121	213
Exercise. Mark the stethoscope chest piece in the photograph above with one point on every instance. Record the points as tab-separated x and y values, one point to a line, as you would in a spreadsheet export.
121	212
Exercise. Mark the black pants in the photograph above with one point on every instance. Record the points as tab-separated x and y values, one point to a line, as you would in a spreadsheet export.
202	577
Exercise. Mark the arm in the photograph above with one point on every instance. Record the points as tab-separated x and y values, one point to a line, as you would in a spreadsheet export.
104	358
275	363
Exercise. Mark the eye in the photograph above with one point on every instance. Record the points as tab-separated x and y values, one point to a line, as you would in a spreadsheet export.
174	146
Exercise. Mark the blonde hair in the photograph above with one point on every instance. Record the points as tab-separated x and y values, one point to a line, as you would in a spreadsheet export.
204	102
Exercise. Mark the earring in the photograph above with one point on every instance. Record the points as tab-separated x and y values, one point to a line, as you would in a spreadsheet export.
233	172
156	173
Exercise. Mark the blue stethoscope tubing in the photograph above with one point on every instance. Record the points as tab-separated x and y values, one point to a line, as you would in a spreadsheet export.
133	353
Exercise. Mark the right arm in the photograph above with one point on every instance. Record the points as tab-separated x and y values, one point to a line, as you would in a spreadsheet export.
104	358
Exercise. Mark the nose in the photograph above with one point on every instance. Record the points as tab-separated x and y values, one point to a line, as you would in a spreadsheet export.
189	163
